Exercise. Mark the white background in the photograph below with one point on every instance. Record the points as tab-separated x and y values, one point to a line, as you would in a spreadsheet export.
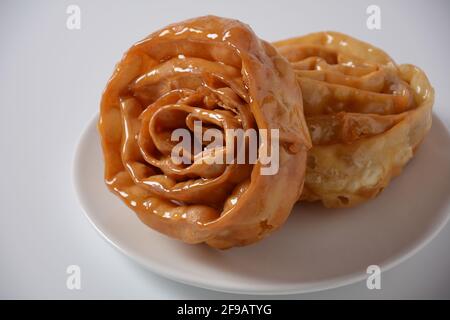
51	81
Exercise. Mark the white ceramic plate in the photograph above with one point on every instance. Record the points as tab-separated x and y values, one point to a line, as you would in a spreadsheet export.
316	249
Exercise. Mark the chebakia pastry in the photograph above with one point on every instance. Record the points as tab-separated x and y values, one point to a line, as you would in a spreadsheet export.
218	72
366	115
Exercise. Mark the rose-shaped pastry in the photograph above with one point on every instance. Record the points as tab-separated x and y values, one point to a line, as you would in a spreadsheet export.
366	115
215	71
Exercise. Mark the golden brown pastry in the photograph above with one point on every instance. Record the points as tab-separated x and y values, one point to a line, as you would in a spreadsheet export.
366	115
216	71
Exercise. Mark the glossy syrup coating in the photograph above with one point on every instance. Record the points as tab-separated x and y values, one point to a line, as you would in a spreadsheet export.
366	115
218	71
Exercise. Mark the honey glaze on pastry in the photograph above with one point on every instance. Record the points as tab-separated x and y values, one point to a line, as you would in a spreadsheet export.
217	71
366	115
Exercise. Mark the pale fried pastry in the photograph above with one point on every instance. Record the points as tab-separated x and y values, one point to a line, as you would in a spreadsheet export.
366	115
215	70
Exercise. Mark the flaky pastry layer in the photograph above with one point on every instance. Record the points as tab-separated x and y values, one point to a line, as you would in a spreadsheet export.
217	71
366	115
